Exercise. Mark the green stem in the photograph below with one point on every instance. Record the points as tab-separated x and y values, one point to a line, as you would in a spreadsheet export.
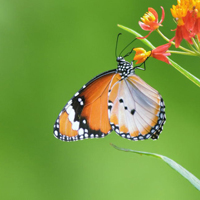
197	41
145	41
167	39
197	52
185	72
180	169
195	44
190	76
181	52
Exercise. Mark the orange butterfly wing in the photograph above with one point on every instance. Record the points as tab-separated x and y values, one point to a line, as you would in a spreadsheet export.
86	114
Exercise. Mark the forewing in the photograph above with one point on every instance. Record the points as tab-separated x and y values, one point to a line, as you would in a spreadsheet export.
86	114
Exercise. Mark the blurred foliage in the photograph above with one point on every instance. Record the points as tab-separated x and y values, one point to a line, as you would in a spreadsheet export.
49	50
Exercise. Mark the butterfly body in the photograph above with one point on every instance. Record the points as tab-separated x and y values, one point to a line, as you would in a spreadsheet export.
116	100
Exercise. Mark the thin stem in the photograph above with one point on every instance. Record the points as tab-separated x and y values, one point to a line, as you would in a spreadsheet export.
181	52
167	39
195	44
197	52
163	36
197	41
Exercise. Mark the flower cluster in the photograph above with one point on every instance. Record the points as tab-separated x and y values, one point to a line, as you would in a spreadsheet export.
187	17
149	22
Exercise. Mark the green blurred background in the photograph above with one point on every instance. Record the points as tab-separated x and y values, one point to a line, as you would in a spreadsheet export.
48	50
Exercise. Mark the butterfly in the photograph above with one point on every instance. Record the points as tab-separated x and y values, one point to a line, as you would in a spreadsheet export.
116	100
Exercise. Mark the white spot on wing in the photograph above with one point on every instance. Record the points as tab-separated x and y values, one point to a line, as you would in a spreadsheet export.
71	115
76	94
75	126
148	136
69	102
152	130
80	131
56	133
141	138
110	104
116	130
69	109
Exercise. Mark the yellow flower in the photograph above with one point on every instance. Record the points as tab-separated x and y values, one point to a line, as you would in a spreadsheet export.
141	55
148	18
178	11
198	8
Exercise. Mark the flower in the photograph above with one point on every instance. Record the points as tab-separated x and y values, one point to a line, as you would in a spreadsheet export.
186	14
150	21
182	33
141	55
190	19
196	30
178	12
160	53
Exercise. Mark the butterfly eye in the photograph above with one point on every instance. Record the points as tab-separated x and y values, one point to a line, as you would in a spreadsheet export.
119	59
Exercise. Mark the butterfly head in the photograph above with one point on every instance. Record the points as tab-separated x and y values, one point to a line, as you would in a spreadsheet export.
120	60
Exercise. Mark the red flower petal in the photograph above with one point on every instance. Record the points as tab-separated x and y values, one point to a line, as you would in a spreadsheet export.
144	26
145	36
154	13
172	39
160	53
153	25
182	33
186	34
190	20
162	48
163	15
162	58
196	29
178	37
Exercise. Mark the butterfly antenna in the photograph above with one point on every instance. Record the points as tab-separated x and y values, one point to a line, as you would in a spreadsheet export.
117	44
127	46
